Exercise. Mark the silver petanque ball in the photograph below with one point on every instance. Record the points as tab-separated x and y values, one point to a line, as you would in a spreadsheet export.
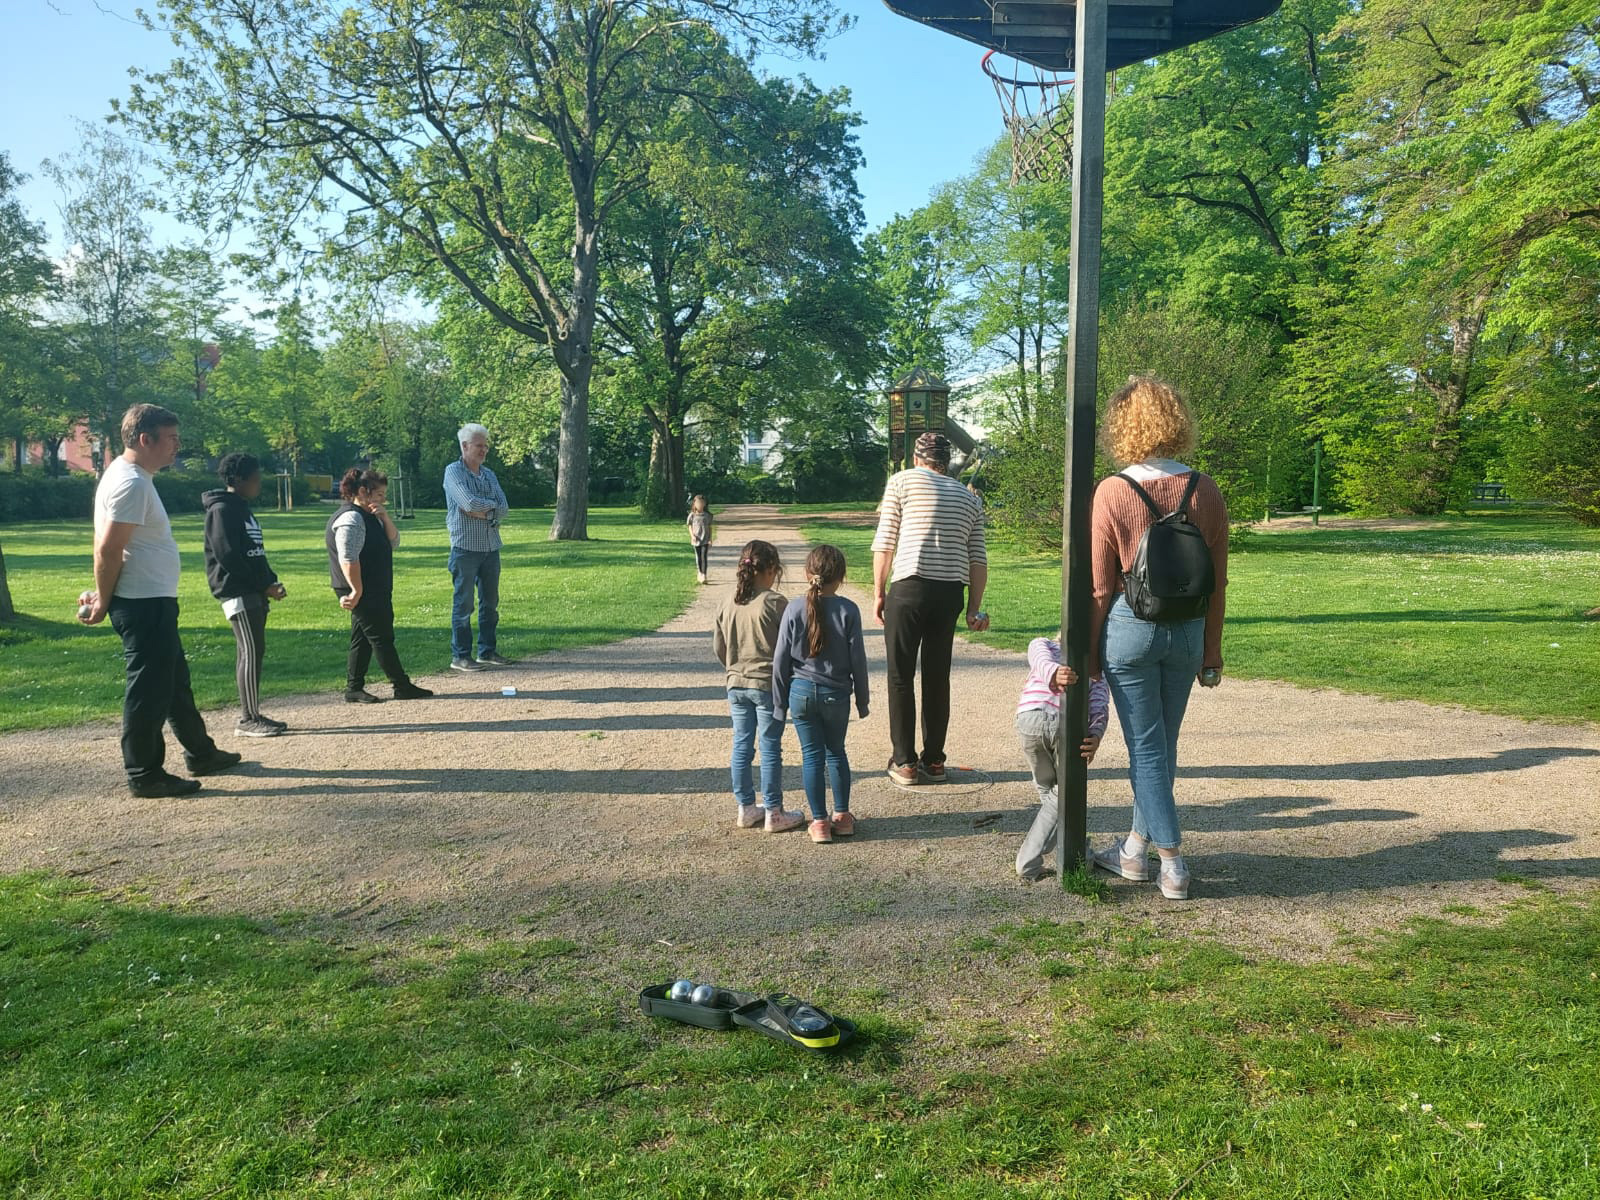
705	994
681	990
83	612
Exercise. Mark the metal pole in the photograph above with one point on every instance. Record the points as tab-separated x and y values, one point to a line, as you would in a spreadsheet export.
1316	486
1083	351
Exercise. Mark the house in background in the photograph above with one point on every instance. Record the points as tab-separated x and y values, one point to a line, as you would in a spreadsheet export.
761	450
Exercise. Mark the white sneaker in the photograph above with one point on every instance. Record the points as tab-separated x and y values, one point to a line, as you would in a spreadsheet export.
1129	866
751	815
1173	879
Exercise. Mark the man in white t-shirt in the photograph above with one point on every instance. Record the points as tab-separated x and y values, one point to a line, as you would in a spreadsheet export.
136	585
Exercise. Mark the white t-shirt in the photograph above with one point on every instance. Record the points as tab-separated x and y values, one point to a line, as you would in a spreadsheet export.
150	562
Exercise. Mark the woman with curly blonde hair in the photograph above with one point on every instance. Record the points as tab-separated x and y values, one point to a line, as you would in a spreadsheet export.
1151	666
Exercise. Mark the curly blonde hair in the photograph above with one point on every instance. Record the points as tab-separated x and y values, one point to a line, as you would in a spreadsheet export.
1147	418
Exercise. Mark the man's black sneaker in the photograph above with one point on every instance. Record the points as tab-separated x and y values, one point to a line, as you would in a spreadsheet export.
153	787
271	721
495	660
410	691
465	664
258	727
217	760
361	696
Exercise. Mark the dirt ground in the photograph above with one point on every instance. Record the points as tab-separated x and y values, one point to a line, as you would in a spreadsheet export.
594	806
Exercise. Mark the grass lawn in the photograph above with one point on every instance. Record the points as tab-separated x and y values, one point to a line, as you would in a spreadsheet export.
159	1053
630	578
1483	611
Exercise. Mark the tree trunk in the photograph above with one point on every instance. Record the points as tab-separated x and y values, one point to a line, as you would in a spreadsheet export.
7	611
571	520
1450	399
574	355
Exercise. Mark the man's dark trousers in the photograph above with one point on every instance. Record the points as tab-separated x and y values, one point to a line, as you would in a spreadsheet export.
919	619
158	687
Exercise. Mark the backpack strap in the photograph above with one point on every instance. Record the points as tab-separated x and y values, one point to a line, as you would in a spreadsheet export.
1188	494
1143	495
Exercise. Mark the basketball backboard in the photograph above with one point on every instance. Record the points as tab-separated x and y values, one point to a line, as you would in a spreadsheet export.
1041	31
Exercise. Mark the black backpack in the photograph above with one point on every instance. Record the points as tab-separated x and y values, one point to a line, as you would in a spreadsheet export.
1172	576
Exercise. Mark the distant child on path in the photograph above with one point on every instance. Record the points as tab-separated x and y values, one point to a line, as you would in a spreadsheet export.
819	660
745	635
236	568
1038	717
699	524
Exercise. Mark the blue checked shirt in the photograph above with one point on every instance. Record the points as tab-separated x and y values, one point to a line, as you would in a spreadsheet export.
474	493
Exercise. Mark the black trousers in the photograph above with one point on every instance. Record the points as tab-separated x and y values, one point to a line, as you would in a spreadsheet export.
702	556
372	634
250	643
158	686
919	621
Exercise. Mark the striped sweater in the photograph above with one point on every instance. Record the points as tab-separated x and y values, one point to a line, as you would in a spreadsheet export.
933	526
1044	656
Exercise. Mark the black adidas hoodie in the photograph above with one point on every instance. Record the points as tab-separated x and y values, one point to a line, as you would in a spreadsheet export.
236	559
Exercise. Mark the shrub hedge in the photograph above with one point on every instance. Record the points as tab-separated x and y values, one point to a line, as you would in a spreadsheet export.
31	495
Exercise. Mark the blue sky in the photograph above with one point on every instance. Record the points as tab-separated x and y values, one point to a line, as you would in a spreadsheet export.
927	108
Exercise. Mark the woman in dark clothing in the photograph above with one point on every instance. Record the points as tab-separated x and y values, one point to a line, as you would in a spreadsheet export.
361	539
236	568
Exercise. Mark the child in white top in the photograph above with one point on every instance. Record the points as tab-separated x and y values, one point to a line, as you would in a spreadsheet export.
700	536
1038	718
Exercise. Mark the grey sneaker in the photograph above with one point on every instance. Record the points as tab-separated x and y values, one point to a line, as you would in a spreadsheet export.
465	664
495	660
1136	868
1173	879
258	727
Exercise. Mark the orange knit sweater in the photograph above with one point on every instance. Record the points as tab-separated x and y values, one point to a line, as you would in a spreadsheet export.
1119	521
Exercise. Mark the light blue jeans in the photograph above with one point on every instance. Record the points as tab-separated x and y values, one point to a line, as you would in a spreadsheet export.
1150	669
751	709
821	716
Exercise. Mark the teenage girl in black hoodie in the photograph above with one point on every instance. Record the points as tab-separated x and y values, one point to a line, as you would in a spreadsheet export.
236	568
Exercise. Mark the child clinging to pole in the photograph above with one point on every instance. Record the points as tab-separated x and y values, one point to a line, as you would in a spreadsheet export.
745	635
699	523
819	661
1038	718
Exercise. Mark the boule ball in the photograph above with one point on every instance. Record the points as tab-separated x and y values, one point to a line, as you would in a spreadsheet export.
681	990
704	995
808	1022
85	604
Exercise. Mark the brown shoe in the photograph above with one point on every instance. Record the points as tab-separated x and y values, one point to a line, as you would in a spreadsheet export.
844	824
905	776
933	772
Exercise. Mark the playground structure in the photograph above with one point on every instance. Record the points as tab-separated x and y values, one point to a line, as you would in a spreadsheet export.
919	403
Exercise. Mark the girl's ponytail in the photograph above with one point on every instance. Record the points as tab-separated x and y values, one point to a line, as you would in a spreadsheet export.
756	559
824	566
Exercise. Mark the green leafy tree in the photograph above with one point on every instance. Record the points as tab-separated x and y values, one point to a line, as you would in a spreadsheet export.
1469	158
911	262
487	144
26	276
733	281
107	303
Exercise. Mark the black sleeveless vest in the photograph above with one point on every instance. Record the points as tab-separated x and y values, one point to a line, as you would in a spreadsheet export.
377	557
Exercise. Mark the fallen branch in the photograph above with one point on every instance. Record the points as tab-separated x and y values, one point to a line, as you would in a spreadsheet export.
1227	1152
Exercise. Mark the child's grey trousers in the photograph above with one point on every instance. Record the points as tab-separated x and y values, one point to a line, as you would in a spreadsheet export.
1036	728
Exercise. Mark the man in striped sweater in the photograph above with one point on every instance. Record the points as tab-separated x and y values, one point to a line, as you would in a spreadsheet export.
927	557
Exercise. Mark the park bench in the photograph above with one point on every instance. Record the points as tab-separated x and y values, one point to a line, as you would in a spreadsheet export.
1490	493
1310	510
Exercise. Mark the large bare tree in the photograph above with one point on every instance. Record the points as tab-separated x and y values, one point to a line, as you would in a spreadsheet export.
486	142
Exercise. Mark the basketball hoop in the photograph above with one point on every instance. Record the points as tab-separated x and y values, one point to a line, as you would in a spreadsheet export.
1032	104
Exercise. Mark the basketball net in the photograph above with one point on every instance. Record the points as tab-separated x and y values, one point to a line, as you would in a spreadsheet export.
1033	106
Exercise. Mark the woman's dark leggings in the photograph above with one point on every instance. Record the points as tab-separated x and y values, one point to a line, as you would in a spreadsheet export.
372	634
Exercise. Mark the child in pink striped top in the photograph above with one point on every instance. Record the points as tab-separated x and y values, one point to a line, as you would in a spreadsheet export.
1038	718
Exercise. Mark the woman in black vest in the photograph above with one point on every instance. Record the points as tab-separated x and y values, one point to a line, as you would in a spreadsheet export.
361	540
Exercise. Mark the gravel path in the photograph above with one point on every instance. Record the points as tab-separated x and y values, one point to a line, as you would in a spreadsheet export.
594	807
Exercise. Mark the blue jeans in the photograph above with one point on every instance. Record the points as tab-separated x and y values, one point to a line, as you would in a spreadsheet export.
1150	669
751	709
474	570
821	715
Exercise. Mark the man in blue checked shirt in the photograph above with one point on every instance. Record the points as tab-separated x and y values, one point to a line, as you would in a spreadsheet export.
475	508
